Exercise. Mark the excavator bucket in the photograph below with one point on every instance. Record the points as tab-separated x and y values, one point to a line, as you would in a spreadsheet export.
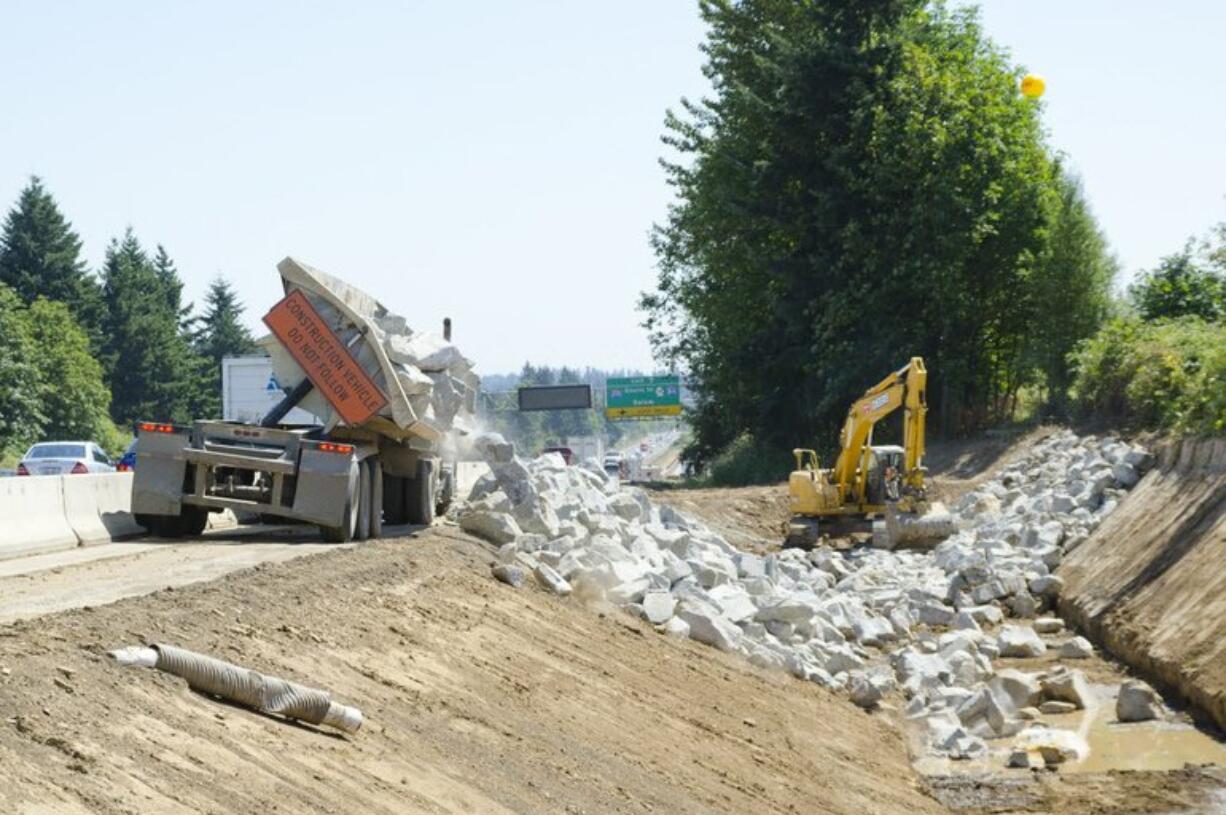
913	530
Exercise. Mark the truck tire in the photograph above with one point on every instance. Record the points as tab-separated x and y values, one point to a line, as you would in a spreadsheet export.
376	498
364	502
190	521
419	494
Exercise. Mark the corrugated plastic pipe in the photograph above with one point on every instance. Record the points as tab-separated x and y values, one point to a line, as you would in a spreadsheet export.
267	694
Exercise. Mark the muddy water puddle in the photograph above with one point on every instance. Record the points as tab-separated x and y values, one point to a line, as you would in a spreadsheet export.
1158	745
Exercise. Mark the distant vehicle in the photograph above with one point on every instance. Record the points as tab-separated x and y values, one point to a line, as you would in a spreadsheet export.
65	458
613	463
127	462
567	454
644	447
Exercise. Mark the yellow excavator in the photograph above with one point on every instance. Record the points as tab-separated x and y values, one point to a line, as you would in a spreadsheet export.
868	481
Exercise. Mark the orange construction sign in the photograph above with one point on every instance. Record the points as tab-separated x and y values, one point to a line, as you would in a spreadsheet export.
326	360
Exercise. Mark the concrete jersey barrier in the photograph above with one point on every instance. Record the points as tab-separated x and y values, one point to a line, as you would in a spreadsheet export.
98	507
32	516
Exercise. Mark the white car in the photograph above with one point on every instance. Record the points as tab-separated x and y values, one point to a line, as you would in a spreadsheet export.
65	458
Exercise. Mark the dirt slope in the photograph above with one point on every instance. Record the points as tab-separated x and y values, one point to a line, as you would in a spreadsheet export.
1150	583
478	698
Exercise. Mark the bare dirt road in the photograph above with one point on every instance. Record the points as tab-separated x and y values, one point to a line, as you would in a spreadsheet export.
96	575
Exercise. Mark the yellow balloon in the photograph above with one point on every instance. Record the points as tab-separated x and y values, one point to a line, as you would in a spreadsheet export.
1033	86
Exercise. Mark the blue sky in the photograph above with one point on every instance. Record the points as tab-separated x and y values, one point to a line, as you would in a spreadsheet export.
497	162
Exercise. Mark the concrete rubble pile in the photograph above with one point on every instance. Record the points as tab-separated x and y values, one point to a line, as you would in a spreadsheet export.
866	621
430	386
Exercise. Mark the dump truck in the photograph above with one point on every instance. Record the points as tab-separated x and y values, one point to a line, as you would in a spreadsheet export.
390	401
867	481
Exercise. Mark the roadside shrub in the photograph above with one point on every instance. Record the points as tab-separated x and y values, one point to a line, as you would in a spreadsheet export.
745	461
1166	375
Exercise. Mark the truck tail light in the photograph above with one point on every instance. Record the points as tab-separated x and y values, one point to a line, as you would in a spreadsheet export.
333	447
154	427
79	469
21	469
122	467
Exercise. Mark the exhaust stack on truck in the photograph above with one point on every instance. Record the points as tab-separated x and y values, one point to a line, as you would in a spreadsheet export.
387	399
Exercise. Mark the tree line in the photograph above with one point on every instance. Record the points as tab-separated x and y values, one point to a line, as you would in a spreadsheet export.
85	355
865	184
1160	362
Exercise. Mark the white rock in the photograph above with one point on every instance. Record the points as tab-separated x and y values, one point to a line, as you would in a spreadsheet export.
677	627
1077	648
551	580
658	606
1049	625
1067	686
734	601
1021	689
1048	585
711	629
1137	702
1020	641
1056	746
513	576
495	527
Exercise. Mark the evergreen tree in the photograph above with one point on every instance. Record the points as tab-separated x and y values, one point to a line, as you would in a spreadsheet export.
219	333
151	369
172	285
74	397
21	416
40	256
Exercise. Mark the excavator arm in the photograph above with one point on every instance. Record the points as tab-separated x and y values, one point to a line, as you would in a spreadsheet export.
903	388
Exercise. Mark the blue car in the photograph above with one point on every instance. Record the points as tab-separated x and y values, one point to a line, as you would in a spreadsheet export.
128	462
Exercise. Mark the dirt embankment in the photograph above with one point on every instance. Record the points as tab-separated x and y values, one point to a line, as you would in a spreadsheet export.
1150	583
479	698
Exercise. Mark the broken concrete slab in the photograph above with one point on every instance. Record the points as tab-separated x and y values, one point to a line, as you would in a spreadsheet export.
1049	625
658	606
550	579
712	629
1067	686
1020	641
495	527
1077	648
1137	702
513	576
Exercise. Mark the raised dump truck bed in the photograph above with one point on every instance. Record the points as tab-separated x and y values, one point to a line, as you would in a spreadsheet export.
388	398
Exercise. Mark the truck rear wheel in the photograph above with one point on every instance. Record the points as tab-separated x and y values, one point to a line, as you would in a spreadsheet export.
190	521
364	502
376	498
419	495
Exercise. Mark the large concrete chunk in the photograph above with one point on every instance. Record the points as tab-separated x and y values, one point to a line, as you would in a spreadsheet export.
1067	686
494	527
1020	641
1137	702
712	629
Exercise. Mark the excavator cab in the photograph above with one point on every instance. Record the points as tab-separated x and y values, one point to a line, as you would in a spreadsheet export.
884	479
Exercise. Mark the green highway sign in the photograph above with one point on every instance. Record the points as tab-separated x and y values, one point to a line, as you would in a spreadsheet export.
638	396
